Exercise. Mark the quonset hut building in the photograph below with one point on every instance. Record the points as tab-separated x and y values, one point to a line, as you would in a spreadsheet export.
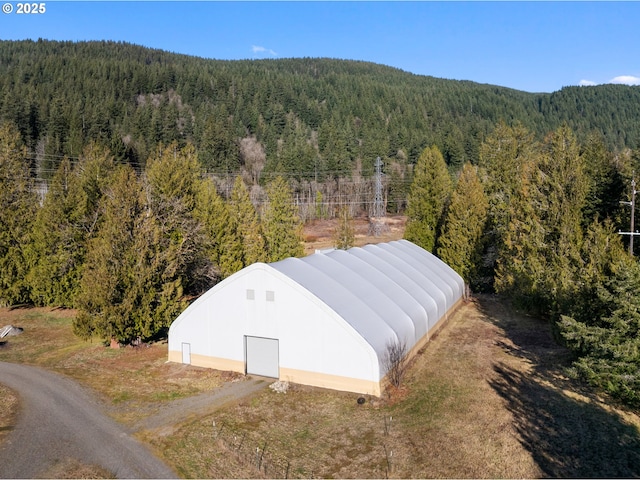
325	320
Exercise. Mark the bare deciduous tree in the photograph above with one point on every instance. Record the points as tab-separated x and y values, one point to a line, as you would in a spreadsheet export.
394	361
253	155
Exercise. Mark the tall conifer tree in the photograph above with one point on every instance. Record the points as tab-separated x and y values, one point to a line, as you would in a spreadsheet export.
602	250
564	188
222	244
68	218
129	288
246	218
459	244
108	278
172	183
57	243
281	223
18	202
505	159
520	269
427	198
606	181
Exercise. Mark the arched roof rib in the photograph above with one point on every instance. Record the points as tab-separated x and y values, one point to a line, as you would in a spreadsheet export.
352	279
408	268
406	283
386	285
426	268
356	312
435	264
418	263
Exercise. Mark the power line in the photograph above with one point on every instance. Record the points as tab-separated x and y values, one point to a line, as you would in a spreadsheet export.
632	232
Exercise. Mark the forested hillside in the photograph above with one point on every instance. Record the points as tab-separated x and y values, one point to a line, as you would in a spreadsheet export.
307	118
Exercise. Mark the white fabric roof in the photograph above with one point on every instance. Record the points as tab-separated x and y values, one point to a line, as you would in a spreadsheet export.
386	292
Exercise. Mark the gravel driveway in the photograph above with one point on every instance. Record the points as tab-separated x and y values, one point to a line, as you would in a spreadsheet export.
182	409
58	420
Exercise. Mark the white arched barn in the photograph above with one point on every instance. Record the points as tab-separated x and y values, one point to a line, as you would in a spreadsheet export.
324	320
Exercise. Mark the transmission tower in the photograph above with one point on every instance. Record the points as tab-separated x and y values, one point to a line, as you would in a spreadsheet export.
376	222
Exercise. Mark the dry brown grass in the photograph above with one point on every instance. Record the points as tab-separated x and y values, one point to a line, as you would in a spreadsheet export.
447	422
8	411
487	398
72	468
318	234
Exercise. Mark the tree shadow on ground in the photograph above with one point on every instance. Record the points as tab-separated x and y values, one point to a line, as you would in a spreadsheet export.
568	430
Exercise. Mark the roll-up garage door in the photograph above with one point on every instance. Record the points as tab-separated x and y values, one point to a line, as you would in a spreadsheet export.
262	356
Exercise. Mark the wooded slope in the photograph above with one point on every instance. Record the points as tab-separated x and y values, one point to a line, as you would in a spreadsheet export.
311	117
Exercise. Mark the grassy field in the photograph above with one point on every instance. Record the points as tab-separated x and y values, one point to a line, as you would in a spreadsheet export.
487	398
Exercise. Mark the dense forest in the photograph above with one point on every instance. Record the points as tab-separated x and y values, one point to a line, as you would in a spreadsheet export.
312	118
133	179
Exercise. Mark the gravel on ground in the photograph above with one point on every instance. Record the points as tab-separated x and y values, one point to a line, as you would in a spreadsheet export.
59	420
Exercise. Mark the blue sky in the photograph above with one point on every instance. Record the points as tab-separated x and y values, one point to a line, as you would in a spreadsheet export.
531	46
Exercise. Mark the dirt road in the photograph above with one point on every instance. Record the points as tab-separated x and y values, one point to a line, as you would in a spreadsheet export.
59	420
182	409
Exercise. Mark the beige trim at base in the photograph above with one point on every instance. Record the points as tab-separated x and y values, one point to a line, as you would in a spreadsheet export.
333	382
209	362
314	379
175	356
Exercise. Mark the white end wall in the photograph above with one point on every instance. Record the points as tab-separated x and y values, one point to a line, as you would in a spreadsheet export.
316	346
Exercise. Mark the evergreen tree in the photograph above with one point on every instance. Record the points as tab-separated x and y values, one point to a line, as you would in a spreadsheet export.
453	147
333	146
129	289
460	242
249	231
505	159
427	200
295	155
602	250
222	243
172	184
344	236
563	189
94	172
281	224
502	155
398	187
57	242
609	348
67	219
173	174
606	182
219	151
520	270
106	281
539	261
19	202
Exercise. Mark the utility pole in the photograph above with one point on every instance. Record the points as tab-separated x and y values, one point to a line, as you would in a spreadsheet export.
632	233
